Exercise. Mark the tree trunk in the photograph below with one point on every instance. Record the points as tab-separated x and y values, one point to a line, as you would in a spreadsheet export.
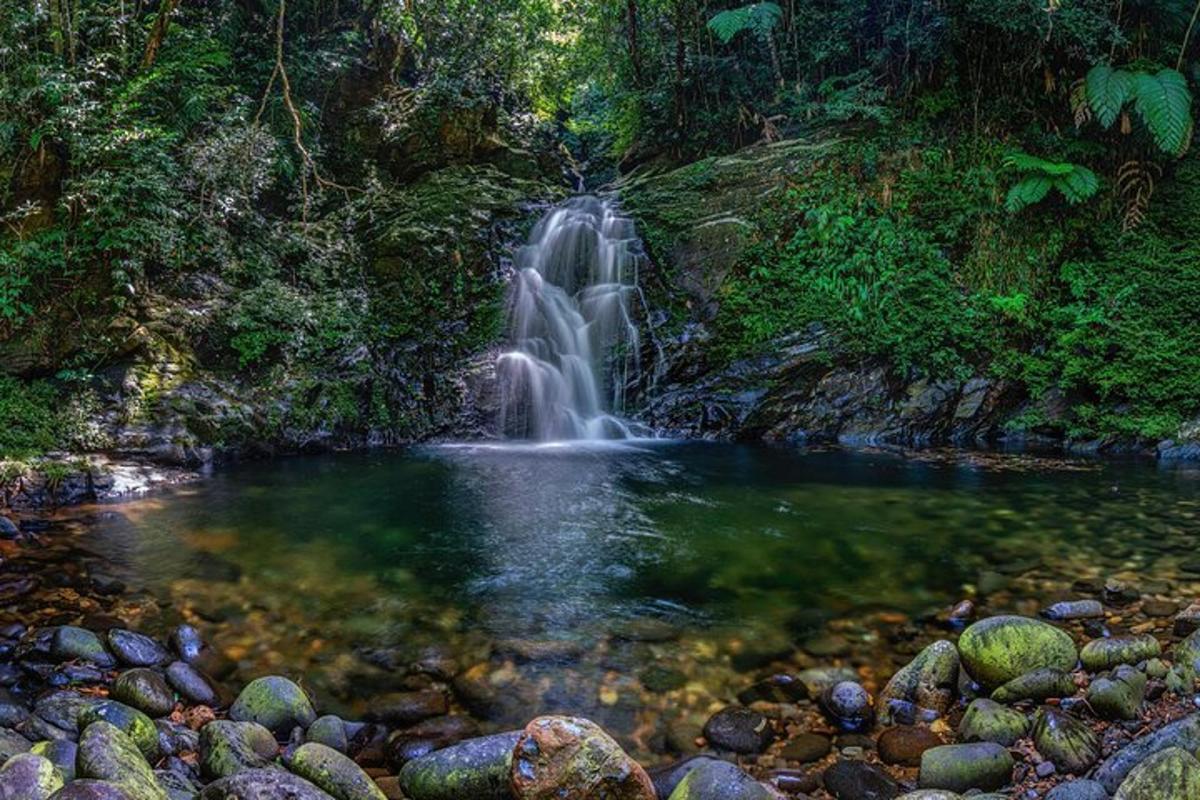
158	32
635	53
680	69
57	34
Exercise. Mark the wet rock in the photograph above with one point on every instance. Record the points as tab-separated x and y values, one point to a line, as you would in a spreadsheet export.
62	709
997	649
781	688
659	679
857	780
61	754
193	685
988	721
573	757
333	772
806	747
401	709
1038	685
1159	608
739	730
1078	790
962	767
1166	775
176	785
1074	609
12	715
8	528
135	649
552	651
91	790
1183	733
905	744
718	780
78	643
1066	741
1118	695
133	723
1188	620
107	754
425	737
1101	654
848	706
928	681
668	776
145	690
11	744
187	643
476	768
933	794
275	703
229	747
329	731
819	679
263	784
29	777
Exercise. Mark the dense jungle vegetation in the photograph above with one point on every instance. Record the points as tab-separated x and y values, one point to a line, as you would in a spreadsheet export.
295	200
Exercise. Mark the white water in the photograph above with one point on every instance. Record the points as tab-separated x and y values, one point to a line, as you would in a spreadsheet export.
574	346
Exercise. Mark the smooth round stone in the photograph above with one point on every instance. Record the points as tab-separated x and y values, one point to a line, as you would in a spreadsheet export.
27	776
329	731
333	772
145	690
263	784
1166	775
426	737
1183	733
848	705
229	747
962	767
11	744
1066	741
1038	685
476	768
662	679
997	649
1101	654
62	753
62	709
402	709
573	757
989	721
71	642
192	684
1074	609
718	780
8	528
806	747
1078	790
739	730
904	745
187	643
1160	608
857	780
91	790
136	649
107	754
177	785
927	682
1118	695
133	723
276	703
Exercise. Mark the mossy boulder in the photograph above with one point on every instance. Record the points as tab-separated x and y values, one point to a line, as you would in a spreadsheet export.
91	790
71	643
333	772
477	768
330	731
1100	654
136	725
1170	774
962	767
106	753
1069	743
1118	695
719	780
998	649
29	777
62	753
274	702
1038	685
227	747
928	681
989	721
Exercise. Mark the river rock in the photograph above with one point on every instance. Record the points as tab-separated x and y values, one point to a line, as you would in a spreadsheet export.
401	709
1078	790
187	643
1187	654
107	754
29	777
718	780
928	681
848	706
135	649
573	757
932	794
903	745
739	730
133	723
1065	741
276	703
1118	695
962	767
145	690
997	649
228	747
330	731
63	708
1037	685
1187	621
193	685
806	747
61	753
819	679
11	744
71	643
1101	654
425	737
780	688
177	785
91	790
988	721
1183	733
1074	609
1166	775
858	780
263	784
477	768
333	772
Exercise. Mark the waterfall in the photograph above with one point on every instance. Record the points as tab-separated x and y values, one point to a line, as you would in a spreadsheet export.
574	346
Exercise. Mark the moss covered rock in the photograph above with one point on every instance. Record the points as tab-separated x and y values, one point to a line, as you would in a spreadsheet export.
1038	685
998	649
136	725
79	643
107	754
263	784
560	756
1118	695
145	690
477	768
961	767
1183	733
274	702
333	772
1102	654
1170	774
228	747
928	681
1066	741
989	721
29	777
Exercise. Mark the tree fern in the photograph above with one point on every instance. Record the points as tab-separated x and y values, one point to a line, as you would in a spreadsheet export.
1164	103
1108	90
1074	182
758	18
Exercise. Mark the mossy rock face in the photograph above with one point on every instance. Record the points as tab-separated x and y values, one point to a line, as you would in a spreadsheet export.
228	747
1066	741
29	777
477	768
1167	775
1037	685
276	703
998	649
107	754
928	681
328	769
719	780
989	721
136	725
1101	654
962	767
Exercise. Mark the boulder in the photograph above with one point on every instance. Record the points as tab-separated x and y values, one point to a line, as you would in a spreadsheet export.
91	790
904	745
135	649
229	747
962	767
739	730
71	643
263	784
928	681
333	772
107	754
476	768
858	780
1119	695
997	649
1183	733
133	723
1166	775
988	721
276	703
1078	790
1065	741
145	690
573	757
29	777
718	780
1038	685
1101	654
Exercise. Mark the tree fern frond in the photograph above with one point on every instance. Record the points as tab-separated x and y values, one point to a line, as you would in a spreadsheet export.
1023	162
1033	189
759	18
1164	103
1108	90
1079	185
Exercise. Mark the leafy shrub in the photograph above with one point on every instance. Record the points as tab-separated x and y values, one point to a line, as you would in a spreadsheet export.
28	418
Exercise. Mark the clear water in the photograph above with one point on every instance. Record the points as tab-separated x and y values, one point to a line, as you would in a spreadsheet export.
729	546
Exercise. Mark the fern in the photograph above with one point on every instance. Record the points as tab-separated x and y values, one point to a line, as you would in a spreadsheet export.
758	18
1074	182
1108	90
1165	105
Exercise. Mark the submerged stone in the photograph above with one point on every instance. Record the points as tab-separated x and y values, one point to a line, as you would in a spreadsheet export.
997	649
476	768
739	730
1065	741
962	767
333	772
989	721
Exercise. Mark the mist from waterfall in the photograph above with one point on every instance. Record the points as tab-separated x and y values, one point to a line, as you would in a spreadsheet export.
575	347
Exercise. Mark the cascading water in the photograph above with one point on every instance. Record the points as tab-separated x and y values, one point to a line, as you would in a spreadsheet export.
575	347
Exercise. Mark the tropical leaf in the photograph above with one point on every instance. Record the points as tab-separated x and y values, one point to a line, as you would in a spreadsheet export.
1108	90
1033	189
759	18
1024	162
1074	182
1164	103
1079	185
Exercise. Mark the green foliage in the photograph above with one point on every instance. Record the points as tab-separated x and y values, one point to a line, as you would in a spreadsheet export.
757	18
28	418
1162	100
1108	90
1074	182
